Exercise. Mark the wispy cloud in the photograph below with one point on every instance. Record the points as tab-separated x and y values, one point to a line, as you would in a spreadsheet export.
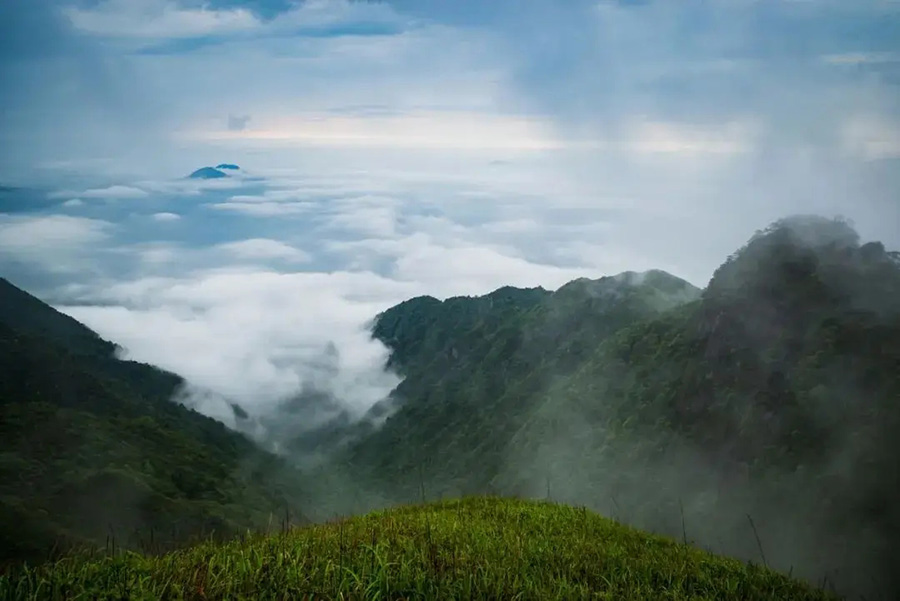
52	242
871	137
449	129
262	208
160	20
861	58
157	19
264	248
114	192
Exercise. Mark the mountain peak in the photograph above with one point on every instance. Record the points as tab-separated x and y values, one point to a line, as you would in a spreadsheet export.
655	280
798	249
207	173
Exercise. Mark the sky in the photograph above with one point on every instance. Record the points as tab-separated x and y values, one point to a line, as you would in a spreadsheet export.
397	148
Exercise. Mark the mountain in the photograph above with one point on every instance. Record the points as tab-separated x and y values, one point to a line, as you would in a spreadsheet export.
229	166
93	447
32	317
760	414
474	368
207	173
756	417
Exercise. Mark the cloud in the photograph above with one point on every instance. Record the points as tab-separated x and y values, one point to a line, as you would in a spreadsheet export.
114	193
255	335
470	269
238	123
166	217
871	137
365	215
73	202
262	249
416	147
157	19
168	20
448	129
91	111
185	186
260	336
854	59
51	242
157	254
691	139
262	209
616	137
51	231
234	318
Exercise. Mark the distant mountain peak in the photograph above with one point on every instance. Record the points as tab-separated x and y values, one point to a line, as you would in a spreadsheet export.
229	166
207	173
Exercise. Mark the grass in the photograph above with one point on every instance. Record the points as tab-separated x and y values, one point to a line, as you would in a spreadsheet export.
473	548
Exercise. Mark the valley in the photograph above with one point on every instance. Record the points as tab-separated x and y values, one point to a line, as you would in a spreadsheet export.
754	418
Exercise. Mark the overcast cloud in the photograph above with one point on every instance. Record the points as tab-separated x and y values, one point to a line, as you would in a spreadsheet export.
390	149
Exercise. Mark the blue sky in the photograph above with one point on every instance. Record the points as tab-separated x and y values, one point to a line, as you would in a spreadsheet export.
390	149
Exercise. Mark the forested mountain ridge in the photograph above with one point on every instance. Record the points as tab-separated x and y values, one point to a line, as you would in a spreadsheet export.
26	314
474	367
773	393
93	447
757	417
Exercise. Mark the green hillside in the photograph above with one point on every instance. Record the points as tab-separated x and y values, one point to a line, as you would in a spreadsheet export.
475	367
777	396
476	548
93	448
773	394
756	418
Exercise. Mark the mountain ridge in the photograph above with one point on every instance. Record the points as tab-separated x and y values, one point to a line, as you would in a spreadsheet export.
731	397
771	393
92	446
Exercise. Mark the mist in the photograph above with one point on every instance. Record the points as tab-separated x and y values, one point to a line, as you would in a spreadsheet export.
395	149
809	520
817	518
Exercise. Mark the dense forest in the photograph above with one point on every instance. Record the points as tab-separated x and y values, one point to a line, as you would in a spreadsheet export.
756	417
94	451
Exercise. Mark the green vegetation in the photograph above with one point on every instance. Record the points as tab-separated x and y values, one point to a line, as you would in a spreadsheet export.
93	448
475	367
476	548
775	393
758	415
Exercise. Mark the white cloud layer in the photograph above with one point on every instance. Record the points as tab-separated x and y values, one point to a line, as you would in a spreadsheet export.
53	242
115	193
255	335
264	248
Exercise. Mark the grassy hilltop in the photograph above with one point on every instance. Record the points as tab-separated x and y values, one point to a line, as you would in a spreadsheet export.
474	548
